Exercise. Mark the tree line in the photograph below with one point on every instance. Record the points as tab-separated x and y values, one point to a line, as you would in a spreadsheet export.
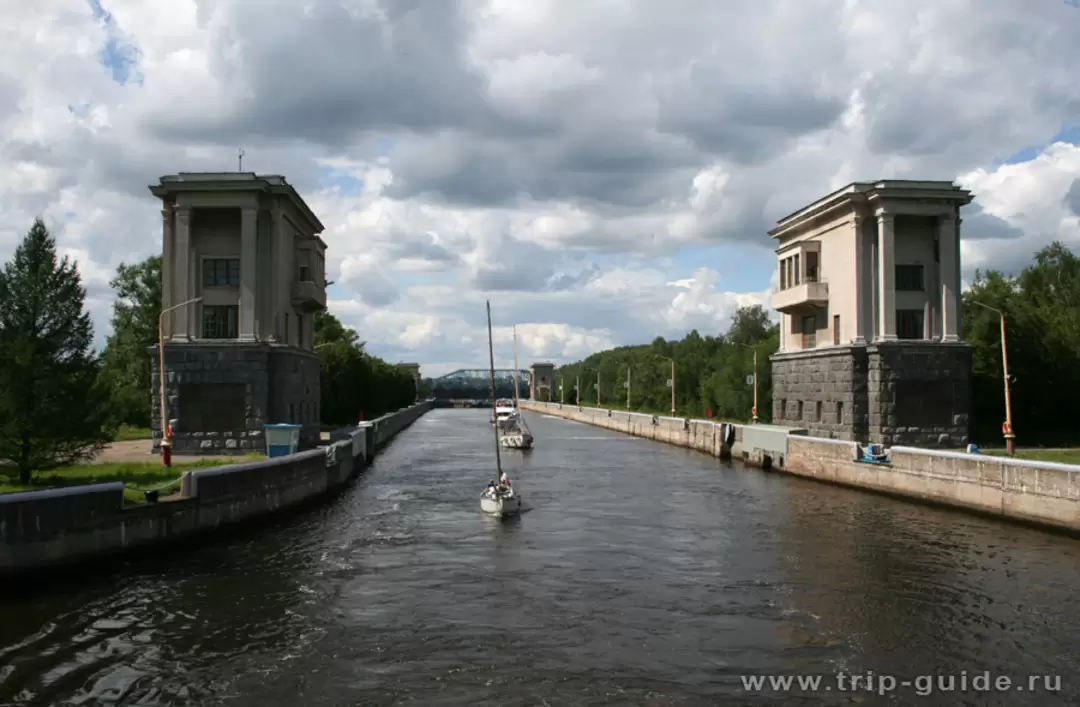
712	372
1041	307
61	401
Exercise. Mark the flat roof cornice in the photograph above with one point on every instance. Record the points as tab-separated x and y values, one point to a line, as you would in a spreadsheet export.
237	182
864	192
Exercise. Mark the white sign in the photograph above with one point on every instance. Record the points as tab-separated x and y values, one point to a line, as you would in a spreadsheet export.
626	384
750	379
669	382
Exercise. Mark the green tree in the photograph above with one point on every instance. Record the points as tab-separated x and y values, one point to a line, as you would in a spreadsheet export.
126	363
1042	317
354	382
710	371
54	409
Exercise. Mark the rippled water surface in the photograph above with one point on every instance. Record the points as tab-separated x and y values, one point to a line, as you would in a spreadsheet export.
641	575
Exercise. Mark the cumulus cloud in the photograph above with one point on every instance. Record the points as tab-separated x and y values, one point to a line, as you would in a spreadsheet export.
557	158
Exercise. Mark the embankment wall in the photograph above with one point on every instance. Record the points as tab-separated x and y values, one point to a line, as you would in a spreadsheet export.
43	529
1040	493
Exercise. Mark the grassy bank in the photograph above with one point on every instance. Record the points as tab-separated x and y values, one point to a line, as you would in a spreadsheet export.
136	476
127	433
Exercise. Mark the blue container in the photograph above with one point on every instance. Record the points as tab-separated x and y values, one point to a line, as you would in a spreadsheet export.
281	440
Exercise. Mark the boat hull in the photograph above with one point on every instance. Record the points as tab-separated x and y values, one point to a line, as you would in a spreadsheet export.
505	506
517	441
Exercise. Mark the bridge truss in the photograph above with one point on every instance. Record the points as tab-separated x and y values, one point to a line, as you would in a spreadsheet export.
475	384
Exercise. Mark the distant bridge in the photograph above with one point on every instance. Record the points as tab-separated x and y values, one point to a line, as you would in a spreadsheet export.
475	384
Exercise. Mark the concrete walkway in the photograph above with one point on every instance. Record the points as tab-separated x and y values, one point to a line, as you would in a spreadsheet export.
141	450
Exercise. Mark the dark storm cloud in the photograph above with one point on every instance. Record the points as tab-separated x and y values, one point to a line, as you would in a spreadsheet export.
1072	198
326	74
746	124
510	264
587	166
419	246
978	225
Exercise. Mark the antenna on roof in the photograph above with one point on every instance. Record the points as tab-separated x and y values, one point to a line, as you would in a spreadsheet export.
240	160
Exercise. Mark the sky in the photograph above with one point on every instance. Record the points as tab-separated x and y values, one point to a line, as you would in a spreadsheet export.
603	172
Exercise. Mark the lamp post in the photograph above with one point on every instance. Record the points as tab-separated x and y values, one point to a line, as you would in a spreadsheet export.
628	388
562	393
1007	428
577	389
753	410
671	382
598	389
166	428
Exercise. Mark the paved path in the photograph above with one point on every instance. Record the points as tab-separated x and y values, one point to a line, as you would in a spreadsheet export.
141	450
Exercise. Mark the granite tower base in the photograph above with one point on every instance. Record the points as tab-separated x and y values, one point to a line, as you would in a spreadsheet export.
222	394
913	393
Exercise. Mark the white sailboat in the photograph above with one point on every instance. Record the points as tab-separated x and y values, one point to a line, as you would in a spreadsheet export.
498	499
517	434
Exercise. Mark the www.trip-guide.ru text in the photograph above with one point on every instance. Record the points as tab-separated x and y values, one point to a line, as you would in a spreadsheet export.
883	684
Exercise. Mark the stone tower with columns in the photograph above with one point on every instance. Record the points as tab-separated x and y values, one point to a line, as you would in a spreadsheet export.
243	274
541	376
413	369
869	298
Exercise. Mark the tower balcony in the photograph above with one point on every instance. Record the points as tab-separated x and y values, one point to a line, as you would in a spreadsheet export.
802	296
308	296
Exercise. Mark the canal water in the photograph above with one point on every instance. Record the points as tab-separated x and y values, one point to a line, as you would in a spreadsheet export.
641	574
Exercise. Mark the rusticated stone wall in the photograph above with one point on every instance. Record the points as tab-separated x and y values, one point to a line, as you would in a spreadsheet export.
823	390
907	392
260	383
920	394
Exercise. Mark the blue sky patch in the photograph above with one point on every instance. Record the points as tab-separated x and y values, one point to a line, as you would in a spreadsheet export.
346	183
1070	135
120	58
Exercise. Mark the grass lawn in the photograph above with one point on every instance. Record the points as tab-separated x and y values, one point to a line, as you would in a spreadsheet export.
1061	456
138	476
127	433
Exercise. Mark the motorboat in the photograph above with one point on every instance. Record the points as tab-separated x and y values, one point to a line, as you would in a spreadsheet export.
505	412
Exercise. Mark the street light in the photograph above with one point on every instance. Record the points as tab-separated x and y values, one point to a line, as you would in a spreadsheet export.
671	382
753	410
598	389
628	387
577	389
562	394
166	431
1007	428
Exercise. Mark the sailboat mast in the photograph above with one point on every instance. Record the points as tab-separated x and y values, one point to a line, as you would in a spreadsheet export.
494	427
517	402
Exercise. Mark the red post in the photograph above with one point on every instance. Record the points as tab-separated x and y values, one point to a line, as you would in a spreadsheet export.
361	416
710	413
166	447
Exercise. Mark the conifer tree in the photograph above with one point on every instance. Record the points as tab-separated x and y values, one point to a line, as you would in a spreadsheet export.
54	411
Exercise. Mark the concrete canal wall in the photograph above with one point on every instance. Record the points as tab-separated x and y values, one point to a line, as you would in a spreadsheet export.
1041	493
40	529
